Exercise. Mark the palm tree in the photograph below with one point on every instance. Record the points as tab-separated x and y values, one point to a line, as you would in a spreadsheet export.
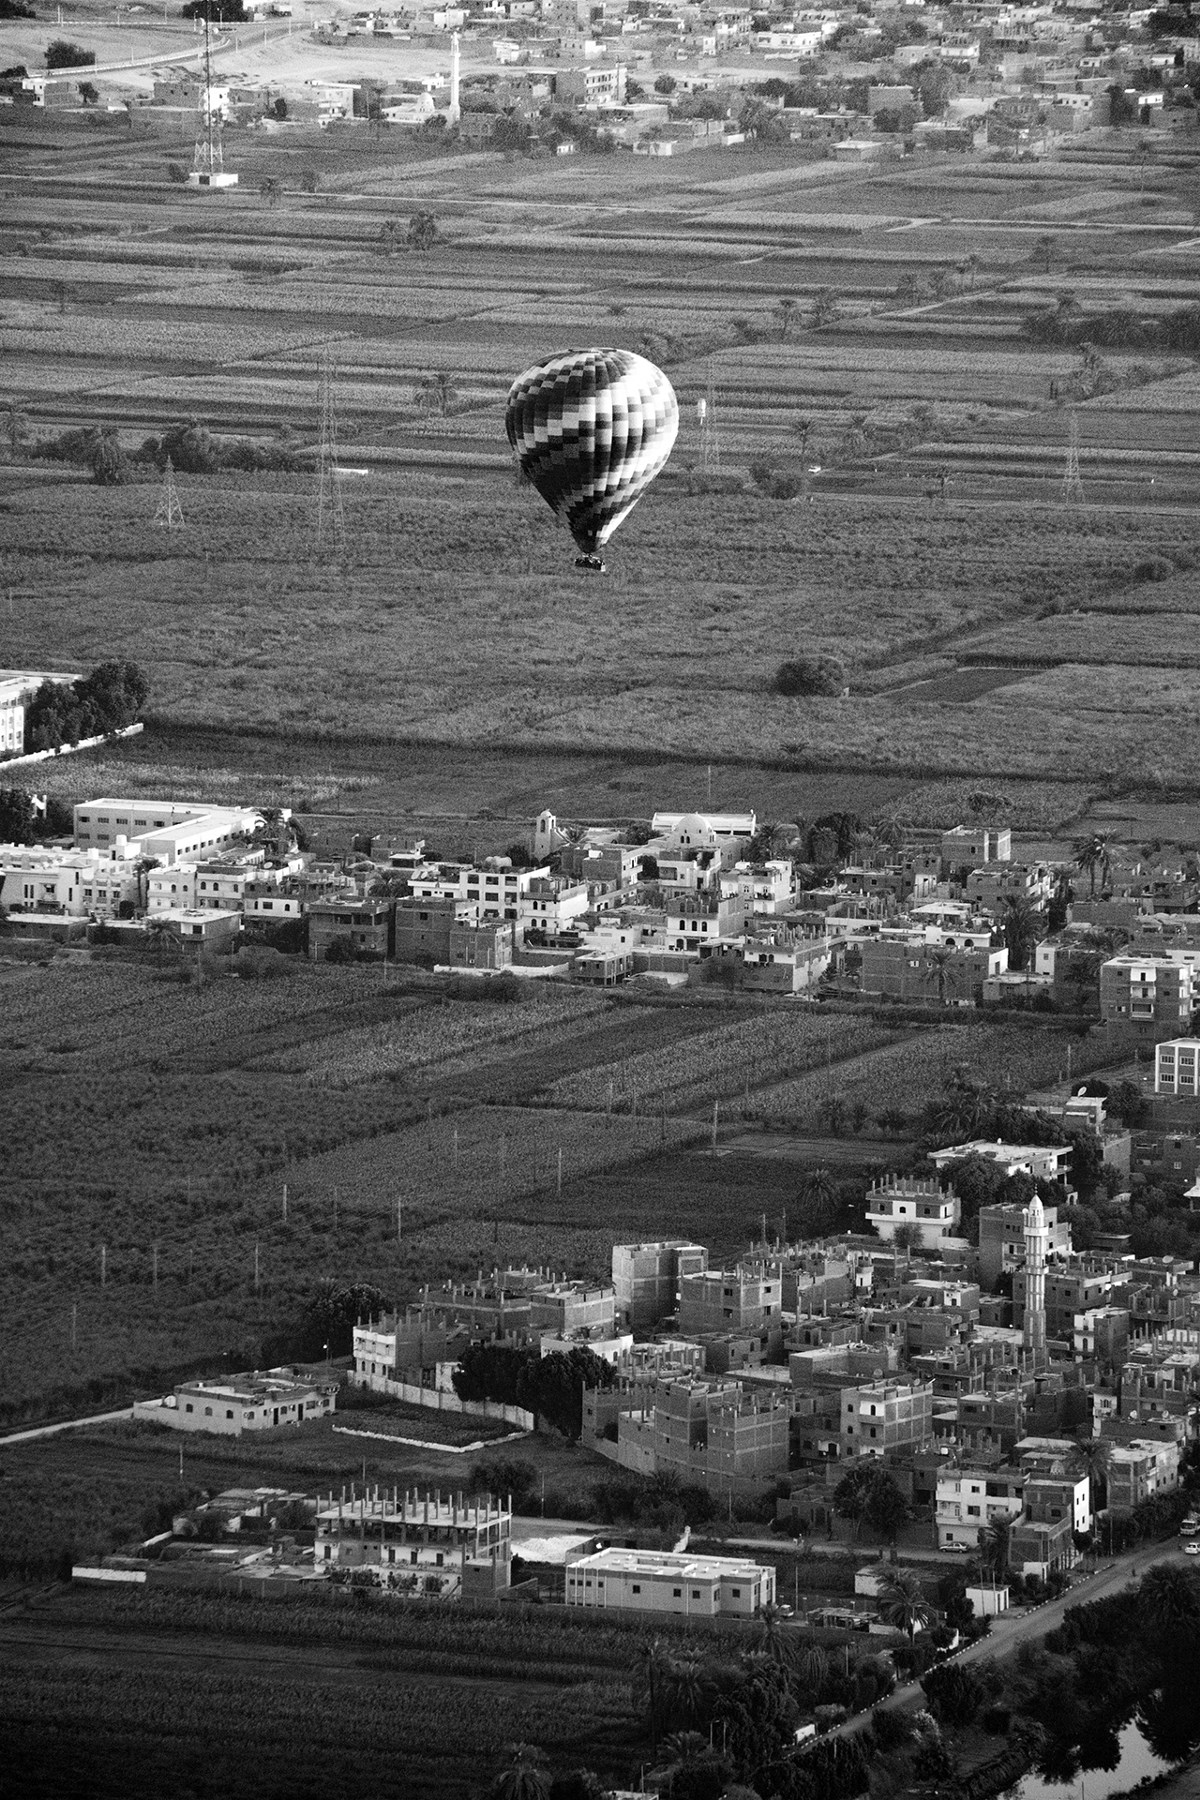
162	938
902	1603
775	1640
271	190
1169	1600
523	1776
1095	1454
994	1548
1091	853
939	959
1019	925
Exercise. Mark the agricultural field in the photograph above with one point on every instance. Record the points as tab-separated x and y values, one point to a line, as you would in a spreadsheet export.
183	1165
127	302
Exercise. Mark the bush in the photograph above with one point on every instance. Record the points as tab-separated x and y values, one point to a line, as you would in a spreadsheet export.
1155	568
61	53
810	675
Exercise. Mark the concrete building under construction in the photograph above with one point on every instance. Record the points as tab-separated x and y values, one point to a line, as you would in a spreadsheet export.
446	1545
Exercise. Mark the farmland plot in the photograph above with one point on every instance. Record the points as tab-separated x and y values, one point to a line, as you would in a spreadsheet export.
727	1059
905	1076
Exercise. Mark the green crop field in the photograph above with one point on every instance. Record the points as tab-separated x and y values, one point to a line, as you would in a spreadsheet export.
454	616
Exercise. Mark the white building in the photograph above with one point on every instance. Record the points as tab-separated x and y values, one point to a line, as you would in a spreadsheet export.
80	883
170	831
1043	1161
1177	1067
697	830
933	1211
17	688
968	1501
662	1581
256	1401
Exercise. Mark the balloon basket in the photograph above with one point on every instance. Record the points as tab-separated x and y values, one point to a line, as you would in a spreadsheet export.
591	565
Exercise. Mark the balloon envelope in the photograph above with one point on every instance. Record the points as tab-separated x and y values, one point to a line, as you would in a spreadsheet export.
591	429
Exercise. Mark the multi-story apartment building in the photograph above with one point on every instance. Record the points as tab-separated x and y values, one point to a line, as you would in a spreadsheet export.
931	1210
1138	1470
17	688
566	1307
646	1278
970	1499
1073	1285
660	1581
884	1416
37	878
1002	1227
914	969
1177	1067
409	1539
1147	998
748	1296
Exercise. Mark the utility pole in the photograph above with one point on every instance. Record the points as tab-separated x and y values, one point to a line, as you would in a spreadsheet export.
104	1265
256	1269
716	1116
331	518
74	1324
559	1186
399	1218
154	1267
1072	484
285	1202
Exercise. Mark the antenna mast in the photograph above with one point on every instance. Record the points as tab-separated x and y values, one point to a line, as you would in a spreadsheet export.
209	158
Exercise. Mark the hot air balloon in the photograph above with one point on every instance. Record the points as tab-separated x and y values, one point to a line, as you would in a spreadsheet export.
591	429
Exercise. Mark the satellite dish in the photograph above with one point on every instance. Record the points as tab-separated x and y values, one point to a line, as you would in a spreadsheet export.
877	1374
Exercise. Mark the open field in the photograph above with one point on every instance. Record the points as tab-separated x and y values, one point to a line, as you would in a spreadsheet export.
125	301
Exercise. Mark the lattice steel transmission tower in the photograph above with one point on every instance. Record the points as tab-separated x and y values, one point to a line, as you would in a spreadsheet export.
706	414
331	518
1072	483
170	513
208	159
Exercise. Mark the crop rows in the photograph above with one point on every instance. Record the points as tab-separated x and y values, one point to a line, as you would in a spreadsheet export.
725	1060
905	1076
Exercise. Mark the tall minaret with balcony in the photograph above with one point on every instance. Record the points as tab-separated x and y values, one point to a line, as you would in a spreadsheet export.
1037	1238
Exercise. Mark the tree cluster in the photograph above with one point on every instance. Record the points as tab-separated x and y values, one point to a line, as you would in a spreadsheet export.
1116	328
220	12
108	699
550	1387
1132	1656
21	824
61	53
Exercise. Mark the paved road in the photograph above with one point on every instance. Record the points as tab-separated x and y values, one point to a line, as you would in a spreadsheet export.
42	1431
1017	1628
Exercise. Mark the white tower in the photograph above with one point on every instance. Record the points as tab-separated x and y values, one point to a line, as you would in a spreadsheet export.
454	111
1037	1237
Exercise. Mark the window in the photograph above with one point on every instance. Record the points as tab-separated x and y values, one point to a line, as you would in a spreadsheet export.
736	1592
208	1412
189	1407
637	1587
229	1412
677	1593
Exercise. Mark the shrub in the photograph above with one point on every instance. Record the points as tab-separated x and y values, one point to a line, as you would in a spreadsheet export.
61	53
810	675
1155	568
